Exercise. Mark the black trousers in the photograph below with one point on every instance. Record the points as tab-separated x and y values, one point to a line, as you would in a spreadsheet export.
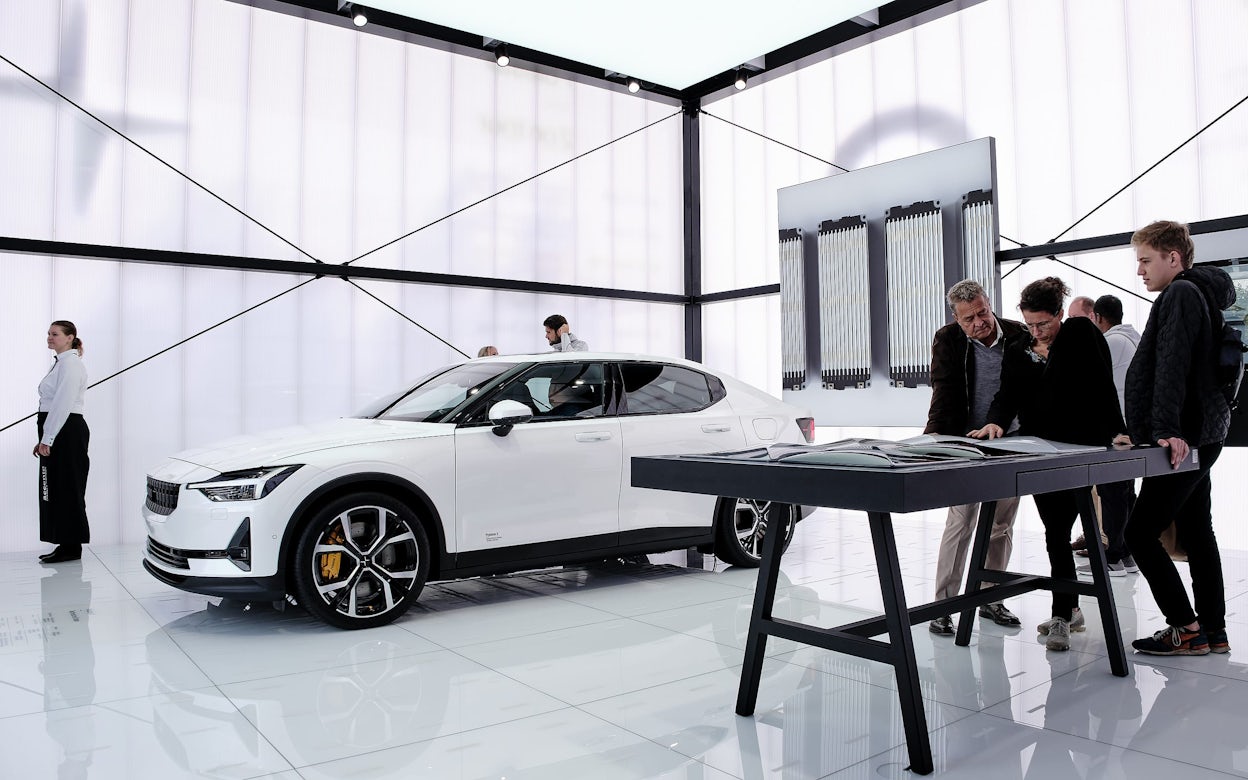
63	484
1117	500
1058	512
1183	499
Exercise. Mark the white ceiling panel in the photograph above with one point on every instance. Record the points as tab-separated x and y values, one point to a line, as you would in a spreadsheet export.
673	43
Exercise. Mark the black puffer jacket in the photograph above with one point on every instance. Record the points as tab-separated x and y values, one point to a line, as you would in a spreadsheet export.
1171	390
1069	398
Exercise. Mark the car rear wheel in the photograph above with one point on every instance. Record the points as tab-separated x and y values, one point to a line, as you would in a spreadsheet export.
742	525
362	561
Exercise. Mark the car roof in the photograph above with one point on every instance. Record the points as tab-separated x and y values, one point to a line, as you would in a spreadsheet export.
563	357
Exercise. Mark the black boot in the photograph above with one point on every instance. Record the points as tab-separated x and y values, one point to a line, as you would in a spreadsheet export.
64	552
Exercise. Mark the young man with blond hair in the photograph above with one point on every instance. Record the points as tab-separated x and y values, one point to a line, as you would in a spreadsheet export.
1173	401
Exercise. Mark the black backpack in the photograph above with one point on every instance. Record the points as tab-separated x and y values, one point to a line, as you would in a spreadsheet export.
1228	367
1228	349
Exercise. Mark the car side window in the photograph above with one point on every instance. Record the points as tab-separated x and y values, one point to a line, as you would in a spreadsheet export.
654	388
557	391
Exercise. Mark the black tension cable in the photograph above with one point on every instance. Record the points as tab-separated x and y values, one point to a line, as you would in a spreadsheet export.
1124	187
511	187
1173	151
116	374
354	284
153	155
773	140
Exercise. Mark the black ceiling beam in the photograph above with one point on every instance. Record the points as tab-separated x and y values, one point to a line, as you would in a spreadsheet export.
1112	241
303	268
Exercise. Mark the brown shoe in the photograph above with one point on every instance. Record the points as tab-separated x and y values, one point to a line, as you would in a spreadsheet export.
1079	544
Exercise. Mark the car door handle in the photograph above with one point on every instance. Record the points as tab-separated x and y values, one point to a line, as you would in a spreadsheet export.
716	428
594	436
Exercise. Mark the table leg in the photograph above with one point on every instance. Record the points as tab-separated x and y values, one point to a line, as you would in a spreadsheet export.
979	558
764	596
1118	663
896	616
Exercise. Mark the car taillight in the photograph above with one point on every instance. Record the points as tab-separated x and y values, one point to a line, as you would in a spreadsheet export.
807	427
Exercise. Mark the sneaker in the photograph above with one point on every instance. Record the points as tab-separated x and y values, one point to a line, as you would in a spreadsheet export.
1115	569
942	626
1218	642
1076	623
1129	564
997	612
1058	634
1173	640
1079	544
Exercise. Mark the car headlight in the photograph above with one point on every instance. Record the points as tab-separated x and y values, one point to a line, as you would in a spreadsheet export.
245	484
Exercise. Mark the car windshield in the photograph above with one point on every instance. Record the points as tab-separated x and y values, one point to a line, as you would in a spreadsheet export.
438	394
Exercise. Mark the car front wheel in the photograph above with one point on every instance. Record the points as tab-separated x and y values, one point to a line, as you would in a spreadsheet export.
361	562
742	525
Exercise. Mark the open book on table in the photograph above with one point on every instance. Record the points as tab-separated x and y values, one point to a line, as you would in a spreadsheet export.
917	450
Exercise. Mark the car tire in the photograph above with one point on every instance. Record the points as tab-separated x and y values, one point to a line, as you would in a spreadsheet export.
373	548
741	527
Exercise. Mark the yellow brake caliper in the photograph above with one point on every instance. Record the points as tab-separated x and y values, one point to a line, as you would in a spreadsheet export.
331	563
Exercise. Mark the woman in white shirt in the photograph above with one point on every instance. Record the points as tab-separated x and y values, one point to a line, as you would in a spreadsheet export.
62	448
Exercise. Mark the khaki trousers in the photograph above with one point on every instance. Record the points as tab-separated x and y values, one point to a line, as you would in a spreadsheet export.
956	541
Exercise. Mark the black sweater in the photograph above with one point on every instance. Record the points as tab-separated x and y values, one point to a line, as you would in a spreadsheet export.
1070	397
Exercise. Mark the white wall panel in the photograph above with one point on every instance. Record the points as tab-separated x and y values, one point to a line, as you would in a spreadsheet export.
216	126
275	120
515	159
664	249
592	223
374	146
743	339
428	138
555	243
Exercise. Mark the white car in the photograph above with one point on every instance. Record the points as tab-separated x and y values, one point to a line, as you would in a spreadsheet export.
494	465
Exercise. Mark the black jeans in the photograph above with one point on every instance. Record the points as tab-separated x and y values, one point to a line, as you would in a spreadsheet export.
1183	499
1117	499
1058	512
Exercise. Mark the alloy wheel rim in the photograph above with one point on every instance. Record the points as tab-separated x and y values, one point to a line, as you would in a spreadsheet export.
365	561
751	525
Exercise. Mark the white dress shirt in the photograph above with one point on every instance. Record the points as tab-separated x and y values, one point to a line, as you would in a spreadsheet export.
61	393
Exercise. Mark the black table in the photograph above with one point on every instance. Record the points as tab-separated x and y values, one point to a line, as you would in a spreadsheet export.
880	492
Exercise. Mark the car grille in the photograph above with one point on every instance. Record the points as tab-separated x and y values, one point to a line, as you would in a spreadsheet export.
169	556
162	497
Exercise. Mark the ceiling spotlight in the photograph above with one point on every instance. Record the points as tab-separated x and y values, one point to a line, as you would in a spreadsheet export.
500	55
359	15
740	82
634	86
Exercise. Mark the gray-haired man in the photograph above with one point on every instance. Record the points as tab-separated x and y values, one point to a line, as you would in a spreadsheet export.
966	373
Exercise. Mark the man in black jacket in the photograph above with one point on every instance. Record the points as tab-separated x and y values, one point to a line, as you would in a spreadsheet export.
1173	401
966	373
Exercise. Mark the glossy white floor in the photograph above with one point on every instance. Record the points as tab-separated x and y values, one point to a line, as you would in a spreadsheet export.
614	672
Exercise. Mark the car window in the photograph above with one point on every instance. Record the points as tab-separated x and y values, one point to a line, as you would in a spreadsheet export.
555	391
437	396
654	388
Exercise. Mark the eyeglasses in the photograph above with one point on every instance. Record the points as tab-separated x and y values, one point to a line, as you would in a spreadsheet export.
1040	327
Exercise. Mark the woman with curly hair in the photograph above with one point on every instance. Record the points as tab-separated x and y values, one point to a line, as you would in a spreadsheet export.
1060	385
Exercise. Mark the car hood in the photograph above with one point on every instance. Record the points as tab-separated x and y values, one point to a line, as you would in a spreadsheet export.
285	445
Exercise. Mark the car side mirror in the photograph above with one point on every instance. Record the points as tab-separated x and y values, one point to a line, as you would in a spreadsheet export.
506	414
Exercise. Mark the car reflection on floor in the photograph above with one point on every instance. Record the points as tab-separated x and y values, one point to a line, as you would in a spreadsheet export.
379	693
